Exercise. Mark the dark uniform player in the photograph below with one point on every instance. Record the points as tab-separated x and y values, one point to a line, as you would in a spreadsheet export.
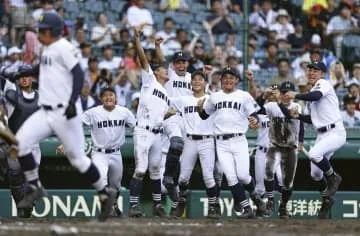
24	102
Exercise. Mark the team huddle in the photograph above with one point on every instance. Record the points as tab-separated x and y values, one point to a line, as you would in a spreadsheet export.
176	123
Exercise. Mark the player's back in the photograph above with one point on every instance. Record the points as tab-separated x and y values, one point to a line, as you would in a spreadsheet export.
193	124
55	79
231	111
178	85
108	127
153	103
325	111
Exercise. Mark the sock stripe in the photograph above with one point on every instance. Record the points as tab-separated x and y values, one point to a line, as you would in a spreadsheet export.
245	203
32	175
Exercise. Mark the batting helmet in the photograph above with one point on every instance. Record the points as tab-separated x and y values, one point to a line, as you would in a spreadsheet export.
53	21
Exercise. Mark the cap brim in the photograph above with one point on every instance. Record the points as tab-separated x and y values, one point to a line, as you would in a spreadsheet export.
43	26
181	59
311	66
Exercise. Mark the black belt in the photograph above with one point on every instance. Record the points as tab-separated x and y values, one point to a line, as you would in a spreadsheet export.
198	137
107	151
261	148
326	128
228	136
153	130
50	108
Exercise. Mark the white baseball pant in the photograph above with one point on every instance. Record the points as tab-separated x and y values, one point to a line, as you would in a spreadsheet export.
147	147
233	156
110	167
260	162
206	150
325	146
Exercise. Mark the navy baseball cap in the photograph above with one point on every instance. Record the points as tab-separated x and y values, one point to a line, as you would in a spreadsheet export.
180	56
50	20
287	86
317	66
107	89
229	70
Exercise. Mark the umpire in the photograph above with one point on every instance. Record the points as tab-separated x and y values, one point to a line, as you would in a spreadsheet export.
22	99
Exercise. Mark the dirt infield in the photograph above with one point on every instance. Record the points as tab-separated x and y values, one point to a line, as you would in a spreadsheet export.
183	227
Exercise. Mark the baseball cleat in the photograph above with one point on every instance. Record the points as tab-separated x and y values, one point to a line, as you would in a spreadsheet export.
260	205
181	207
33	194
134	211
116	212
218	209
212	214
159	211
247	213
270	207
283	212
24	212
326	205
107	202
333	181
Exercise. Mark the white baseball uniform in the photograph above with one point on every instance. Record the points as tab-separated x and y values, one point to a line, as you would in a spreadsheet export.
231	112
262	145
107	130
325	114
55	88
153	106
199	140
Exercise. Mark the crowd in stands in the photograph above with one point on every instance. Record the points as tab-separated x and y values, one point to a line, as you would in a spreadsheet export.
284	37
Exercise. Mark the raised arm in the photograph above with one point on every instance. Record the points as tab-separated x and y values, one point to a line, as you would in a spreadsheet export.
159	55
252	87
140	51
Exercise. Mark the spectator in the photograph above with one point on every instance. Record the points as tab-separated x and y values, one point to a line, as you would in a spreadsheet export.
104	80
301	71
110	62
282	26
329	12
17	9
356	13
122	88
124	39
79	38
219	56
350	117
337	75
356	75
219	22
283	73
14	60
138	15
199	57
177	5
168	31
271	38
339	25
303	88
230	46
252	65
298	39
316	23
92	72
129	60
85	55
308	5
271	57
46	6
103	33
31	46
87	101
353	91
264	18
214	82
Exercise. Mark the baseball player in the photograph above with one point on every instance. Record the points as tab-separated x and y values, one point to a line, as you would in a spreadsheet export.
285	135
153	106
179	84
21	102
231	109
60	83
107	124
324	114
199	141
